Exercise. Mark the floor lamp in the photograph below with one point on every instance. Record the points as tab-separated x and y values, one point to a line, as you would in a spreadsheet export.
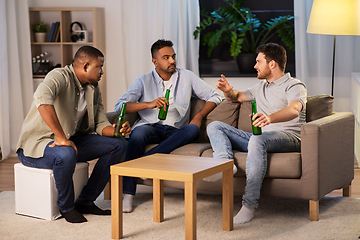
335	17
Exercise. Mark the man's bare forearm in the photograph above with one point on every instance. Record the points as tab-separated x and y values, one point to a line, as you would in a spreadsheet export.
232	95
135	107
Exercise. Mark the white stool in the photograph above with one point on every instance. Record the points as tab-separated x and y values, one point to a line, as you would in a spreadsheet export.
35	190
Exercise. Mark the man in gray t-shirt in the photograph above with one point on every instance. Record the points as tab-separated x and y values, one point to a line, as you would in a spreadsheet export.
281	102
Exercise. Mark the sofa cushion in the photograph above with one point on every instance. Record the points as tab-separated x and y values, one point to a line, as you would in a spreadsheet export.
319	106
280	165
192	149
244	119
227	112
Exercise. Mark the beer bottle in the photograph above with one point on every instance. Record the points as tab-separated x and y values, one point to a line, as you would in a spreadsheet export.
162	112
120	121
256	130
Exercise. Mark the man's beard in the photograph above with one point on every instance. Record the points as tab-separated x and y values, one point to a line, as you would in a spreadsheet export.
264	75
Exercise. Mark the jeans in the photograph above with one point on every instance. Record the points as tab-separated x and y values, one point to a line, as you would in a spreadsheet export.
168	138
224	138
62	160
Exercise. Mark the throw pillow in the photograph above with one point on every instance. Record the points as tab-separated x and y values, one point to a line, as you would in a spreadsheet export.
319	106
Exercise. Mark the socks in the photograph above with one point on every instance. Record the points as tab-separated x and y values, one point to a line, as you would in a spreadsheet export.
218	176
91	209
73	216
244	215
127	203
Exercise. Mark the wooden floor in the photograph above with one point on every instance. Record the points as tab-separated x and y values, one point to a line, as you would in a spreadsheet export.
7	178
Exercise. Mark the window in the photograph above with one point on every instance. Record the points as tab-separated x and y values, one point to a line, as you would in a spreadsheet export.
220	60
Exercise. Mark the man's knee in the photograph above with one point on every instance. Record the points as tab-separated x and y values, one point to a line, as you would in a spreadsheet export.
66	156
139	134
257	141
213	126
192	130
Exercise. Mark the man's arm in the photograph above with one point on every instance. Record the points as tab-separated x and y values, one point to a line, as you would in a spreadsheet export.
132	107
207	108
48	113
229	93
291	111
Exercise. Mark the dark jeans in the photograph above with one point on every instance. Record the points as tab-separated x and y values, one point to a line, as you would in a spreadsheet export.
168	139
62	160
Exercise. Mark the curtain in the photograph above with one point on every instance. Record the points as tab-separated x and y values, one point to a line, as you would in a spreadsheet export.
141	23
16	86
314	57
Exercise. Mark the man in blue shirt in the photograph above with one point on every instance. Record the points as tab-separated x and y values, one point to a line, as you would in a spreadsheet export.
146	96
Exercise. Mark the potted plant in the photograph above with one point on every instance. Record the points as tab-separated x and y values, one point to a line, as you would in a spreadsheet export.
243	31
40	29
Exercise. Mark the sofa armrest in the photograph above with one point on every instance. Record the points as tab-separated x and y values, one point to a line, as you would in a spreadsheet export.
327	153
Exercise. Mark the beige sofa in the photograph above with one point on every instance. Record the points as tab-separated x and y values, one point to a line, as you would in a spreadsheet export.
325	163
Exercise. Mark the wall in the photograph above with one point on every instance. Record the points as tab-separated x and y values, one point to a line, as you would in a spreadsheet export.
113	57
355	108
112	33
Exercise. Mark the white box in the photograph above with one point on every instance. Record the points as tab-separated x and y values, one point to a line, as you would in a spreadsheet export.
35	190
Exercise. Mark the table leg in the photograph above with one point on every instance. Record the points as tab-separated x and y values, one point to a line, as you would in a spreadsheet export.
116	207
190	210
158	200
228	199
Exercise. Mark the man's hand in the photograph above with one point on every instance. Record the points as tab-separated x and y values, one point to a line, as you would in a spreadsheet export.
291	111
158	103
196	120
223	85
261	120
125	129
64	142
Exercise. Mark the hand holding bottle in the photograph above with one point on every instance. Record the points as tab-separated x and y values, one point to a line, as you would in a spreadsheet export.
158	103
125	129
120	122
163	111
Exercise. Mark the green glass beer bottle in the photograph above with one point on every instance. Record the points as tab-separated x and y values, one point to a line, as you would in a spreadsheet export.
120	121
163	112
256	130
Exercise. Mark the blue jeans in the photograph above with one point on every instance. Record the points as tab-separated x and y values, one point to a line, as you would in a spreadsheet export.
168	138
62	160
224	138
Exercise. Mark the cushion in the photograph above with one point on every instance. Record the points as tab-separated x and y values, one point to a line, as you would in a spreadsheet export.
227	112
244	118
319	106
280	165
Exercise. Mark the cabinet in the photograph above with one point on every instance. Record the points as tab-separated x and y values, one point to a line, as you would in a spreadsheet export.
92	20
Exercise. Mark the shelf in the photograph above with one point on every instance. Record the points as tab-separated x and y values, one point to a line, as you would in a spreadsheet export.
62	52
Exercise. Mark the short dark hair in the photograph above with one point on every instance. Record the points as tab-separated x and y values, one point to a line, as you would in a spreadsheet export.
88	51
159	44
274	51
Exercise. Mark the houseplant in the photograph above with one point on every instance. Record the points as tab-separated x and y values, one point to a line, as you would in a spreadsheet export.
243	31
40	29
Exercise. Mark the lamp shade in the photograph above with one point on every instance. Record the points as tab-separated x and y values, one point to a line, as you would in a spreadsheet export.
335	17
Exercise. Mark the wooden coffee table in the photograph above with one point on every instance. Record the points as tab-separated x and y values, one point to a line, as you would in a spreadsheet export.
162	167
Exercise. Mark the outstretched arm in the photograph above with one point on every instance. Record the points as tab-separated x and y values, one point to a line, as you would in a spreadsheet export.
229	93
